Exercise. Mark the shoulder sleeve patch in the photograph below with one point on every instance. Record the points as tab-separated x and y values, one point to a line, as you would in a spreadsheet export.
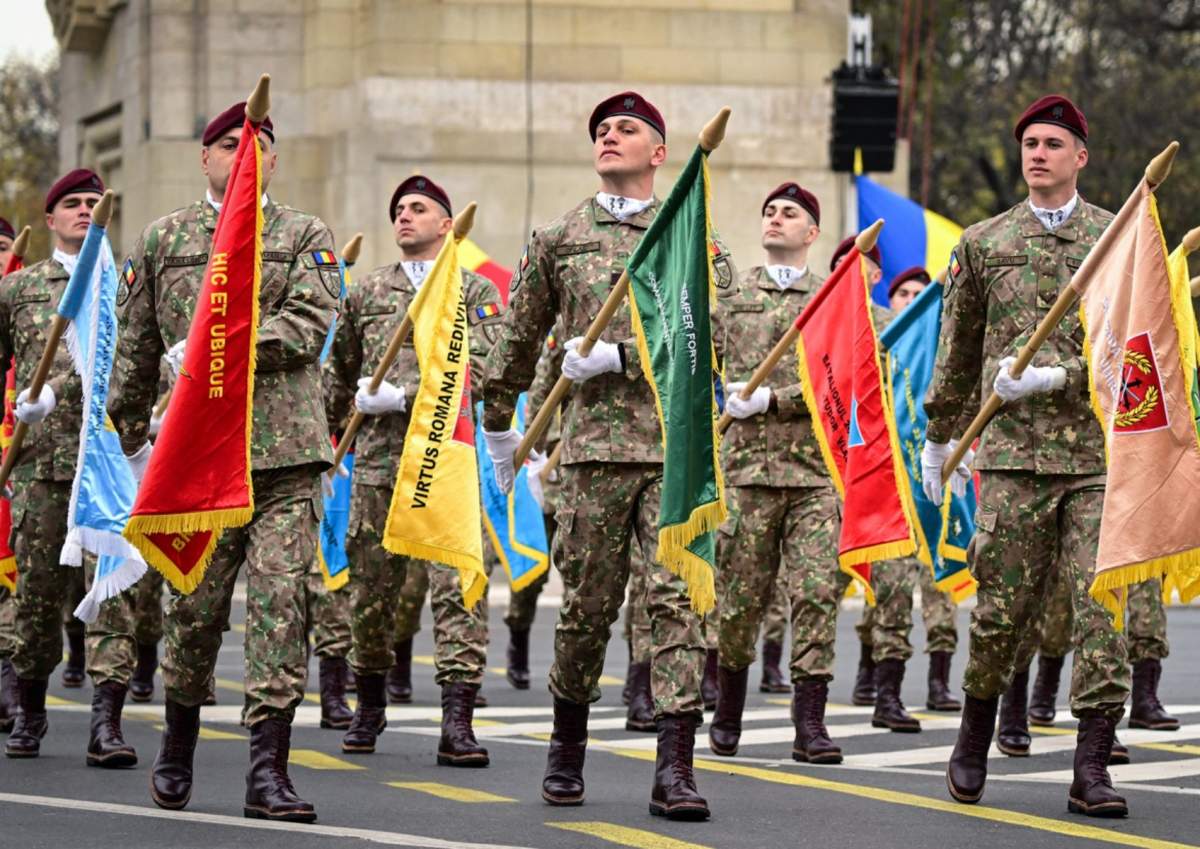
485	312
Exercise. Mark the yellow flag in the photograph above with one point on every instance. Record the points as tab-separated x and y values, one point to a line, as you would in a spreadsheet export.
435	512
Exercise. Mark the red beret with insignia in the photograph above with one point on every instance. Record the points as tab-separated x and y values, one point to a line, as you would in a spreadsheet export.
915	273
796	194
1053	109
81	180
232	118
418	185
6	229
627	103
844	248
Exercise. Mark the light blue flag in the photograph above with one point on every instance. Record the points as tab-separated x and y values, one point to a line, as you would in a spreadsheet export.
335	524
514	522
343	269
943	532
103	491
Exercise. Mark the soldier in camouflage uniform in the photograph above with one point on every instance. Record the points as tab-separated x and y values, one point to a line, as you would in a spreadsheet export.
1041	459
774	633
42	477
420	213
73	669
289	451
784	510
611	459
8	634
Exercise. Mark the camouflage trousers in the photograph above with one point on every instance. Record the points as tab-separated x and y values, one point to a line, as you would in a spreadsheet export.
886	626
522	604
328	615
8	623
387	593
791	531
605	508
775	620
148	608
278	547
1029	526
76	590
39	511
637	613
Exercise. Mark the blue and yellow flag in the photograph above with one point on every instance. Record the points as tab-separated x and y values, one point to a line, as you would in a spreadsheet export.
331	553
942	532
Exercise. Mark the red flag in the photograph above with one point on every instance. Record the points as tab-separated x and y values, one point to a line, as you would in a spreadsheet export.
198	480
8	560
845	391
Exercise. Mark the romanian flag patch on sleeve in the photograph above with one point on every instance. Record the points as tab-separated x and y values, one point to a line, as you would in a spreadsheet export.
324	258
129	273
487	311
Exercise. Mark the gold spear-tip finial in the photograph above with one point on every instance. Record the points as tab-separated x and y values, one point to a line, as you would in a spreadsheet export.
1191	241
102	211
1160	166
22	243
464	221
258	104
352	249
714	131
866	240
1195	284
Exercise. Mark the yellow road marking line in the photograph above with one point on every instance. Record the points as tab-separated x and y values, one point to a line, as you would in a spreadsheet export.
229	684
55	701
1061	732
239	627
207	733
478	722
449	791
1065	828
610	681
423	659
313	759
1178	748
625	836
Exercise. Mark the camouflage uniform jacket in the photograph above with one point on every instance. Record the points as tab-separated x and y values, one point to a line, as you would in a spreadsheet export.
545	375
1004	276
297	300
568	270
374	308
28	303
777	448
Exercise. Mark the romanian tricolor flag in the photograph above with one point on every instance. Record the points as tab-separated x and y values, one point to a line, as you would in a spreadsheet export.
474	258
435	514
913	236
8	560
845	390
1142	358
198	480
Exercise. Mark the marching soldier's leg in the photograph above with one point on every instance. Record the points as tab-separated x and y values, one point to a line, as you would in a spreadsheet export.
1012	737
1011	557
460	654
1056	626
1146	629
864	678
281	547
748	547
328	613
1100	676
375	589
816	586
892	581
709	688
941	640
148	631
591	552
111	652
522	607
39	528
676	670
640	715
408	623
73	670
774	635
8	675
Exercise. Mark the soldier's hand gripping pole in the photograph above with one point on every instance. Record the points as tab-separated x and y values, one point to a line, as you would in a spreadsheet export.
101	214
710	139
864	241
462	226
1156	173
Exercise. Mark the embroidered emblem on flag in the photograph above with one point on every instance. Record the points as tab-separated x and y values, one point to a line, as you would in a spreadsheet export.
1141	406
856	437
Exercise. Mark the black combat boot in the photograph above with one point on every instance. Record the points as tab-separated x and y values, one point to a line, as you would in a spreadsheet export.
675	795
941	697
269	791
171	777
8	695
106	745
1146	711
517	672
966	774
1092	792
72	674
1119	756
458	746
812	744
864	679
399	677
1014	738
335	713
772	674
640	715
370	717
1043	700
627	690
563	784
708	683
141	685
725	730
889	709
25	739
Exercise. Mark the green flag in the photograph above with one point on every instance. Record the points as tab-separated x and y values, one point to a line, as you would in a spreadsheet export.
671	284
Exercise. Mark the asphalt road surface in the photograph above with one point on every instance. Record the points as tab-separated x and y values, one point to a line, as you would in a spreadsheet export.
890	793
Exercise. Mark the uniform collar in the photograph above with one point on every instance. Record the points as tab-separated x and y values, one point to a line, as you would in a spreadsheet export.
642	220
208	212
65	260
1068	232
399	279
803	283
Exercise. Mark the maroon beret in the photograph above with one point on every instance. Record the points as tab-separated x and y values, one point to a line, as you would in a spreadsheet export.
796	194
914	273
234	116
418	185
1053	109
6	229
74	182
627	103
844	247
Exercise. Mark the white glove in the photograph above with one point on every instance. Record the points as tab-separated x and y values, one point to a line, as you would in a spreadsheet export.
156	422
1033	379
755	405
501	447
534	466
933	456
389	399
139	460
603	358
174	357
327	478
35	412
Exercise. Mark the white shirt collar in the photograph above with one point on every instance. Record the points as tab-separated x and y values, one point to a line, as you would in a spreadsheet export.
1052	219
216	204
417	270
622	208
66	260
784	275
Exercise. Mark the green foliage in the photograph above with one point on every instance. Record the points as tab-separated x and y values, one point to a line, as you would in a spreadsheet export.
28	146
